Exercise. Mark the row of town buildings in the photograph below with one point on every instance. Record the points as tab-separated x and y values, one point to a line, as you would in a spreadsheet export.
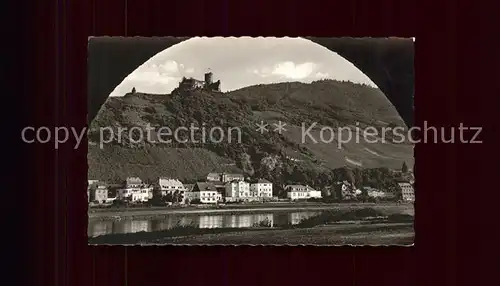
223	187
217	188
348	191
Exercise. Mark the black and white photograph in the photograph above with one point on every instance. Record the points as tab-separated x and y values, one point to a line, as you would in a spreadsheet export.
250	141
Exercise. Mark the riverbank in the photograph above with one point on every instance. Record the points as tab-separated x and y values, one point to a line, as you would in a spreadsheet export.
350	234
333	227
157	212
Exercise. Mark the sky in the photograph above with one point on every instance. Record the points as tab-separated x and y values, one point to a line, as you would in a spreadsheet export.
240	62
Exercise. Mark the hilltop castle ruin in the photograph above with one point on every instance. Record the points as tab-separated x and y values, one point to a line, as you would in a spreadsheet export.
207	84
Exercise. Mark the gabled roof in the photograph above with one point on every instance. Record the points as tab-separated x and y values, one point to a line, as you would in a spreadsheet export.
294	186
263	181
234	175
404	183
307	188
134	180
205	186
169	179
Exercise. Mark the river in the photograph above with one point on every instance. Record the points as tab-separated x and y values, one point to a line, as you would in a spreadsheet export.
96	228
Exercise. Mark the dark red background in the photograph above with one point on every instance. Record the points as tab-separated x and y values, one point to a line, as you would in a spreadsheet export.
456	183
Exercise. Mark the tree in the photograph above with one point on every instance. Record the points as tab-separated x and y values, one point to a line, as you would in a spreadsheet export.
119	203
324	179
157	198
364	195
133	90
169	198
358	176
344	174
349	176
176	196
277	175
298	175
279	191
404	168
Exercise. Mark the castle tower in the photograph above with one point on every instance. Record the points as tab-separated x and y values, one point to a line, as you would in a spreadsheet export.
208	78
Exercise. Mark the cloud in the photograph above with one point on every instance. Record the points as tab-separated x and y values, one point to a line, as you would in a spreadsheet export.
151	78
166	68
322	75
287	70
293	71
154	77
262	72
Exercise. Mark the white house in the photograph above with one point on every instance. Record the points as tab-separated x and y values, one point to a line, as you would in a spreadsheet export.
128	190
144	194
99	194
208	193
407	192
170	186
297	192
314	193
135	191
237	191
136	195
262	188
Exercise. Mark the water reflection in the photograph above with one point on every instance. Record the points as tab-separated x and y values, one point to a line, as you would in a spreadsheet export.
215	221
97	228
295	218
103	227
